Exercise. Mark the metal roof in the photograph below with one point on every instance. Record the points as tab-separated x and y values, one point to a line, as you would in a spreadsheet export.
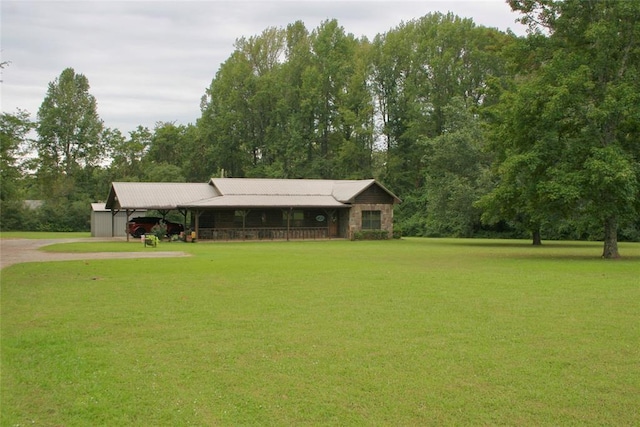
156	195
269	201
99	207
238	193
341	190
346	191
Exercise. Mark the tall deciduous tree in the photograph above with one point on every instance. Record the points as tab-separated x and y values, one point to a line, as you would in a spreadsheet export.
455	173
14	129
295	118
395	90
167	144
418	68
327	84
69	127
225	112
588	99
524	155
69	152
356	123
289	103
196	166
127	154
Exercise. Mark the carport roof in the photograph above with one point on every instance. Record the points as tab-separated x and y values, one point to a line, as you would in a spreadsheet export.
156	195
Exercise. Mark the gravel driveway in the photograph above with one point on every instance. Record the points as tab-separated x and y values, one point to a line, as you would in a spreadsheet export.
15	251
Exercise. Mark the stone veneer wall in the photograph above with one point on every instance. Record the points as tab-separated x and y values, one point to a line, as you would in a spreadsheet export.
386	217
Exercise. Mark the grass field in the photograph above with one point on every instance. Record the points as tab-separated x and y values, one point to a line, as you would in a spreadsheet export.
407	332
43	235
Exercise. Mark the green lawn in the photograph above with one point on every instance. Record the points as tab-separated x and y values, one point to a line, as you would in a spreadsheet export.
44	235
407	332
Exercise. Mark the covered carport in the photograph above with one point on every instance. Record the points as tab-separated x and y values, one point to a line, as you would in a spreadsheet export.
132	197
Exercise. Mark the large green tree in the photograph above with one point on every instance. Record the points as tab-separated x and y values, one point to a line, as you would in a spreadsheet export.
580	133
291	103
417	69
424	73
69	127
70	150
394	87
332	90
14	131
523	157
456	173
224	124
294	119
127	154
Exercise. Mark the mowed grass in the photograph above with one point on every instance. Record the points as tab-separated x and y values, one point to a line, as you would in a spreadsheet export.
44	235
409	332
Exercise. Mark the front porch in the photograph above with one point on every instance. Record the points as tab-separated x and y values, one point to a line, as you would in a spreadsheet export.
280	233
269	224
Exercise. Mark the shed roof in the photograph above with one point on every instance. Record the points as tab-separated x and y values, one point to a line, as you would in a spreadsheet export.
99	207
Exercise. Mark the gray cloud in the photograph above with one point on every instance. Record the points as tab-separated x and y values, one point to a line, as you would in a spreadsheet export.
150	61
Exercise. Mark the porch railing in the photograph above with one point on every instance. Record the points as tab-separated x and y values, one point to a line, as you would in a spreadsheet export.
298	233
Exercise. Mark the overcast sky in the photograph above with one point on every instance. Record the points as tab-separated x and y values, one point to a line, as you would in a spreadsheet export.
151	61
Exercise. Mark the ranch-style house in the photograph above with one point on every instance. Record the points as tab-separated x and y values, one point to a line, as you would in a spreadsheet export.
261	209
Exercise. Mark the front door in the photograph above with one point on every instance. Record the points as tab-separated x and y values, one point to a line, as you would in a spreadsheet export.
333	224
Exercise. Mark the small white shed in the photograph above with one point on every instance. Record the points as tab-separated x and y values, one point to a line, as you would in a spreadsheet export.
101	222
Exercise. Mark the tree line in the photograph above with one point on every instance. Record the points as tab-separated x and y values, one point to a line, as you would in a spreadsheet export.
478	131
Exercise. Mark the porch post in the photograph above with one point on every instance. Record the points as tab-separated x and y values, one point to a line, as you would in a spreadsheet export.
113	223
197	226
126	225
289	222
184	213
244	213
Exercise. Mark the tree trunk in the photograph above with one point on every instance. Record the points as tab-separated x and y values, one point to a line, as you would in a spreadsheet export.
610	238
537	239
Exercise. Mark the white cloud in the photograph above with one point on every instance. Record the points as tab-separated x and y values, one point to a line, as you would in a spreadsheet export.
150	61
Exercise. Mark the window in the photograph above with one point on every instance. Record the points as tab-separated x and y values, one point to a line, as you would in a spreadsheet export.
371	220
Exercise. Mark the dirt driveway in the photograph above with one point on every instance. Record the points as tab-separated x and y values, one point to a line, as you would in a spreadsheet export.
15	251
